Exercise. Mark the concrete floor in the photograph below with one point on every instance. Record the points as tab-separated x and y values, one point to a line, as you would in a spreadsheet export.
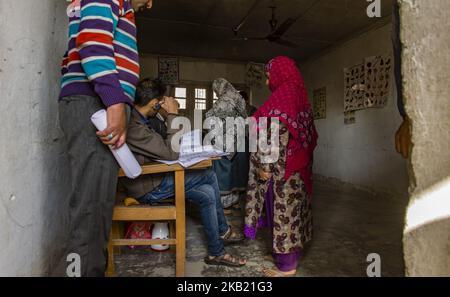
349	224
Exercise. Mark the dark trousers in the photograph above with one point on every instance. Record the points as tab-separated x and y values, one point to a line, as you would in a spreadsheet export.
94	179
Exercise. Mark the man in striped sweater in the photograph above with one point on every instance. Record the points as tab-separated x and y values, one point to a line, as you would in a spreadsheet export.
100	70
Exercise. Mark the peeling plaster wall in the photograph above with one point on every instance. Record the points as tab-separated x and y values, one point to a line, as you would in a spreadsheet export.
32	192
363	153
426	66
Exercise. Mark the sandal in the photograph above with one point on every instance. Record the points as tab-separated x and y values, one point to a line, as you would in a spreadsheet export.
232	237
225	260
227	212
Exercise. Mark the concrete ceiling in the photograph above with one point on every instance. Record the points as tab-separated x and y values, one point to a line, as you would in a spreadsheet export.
203	28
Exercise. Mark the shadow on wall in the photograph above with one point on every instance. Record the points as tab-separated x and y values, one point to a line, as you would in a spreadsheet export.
56	179
35	186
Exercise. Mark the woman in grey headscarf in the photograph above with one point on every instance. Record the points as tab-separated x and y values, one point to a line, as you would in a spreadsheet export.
232	171
230	103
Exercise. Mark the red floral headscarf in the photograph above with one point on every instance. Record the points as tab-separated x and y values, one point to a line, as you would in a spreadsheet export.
289	102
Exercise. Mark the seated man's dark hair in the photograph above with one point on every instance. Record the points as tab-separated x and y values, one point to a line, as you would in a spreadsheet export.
147	90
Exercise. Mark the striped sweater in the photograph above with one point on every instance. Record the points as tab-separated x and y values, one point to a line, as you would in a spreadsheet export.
102	58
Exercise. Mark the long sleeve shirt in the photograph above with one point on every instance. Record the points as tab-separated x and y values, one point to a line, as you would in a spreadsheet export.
148	145
102	58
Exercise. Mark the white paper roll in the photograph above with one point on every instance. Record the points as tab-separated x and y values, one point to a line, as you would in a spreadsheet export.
124	156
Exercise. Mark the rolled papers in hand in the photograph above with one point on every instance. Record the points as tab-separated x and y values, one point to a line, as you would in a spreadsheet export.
123	155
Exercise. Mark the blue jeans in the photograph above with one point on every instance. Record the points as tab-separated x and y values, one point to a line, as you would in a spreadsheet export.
202	188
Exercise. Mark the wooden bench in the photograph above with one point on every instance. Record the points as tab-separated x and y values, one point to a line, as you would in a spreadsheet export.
174	214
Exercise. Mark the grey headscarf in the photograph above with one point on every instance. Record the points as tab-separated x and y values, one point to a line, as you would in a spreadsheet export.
230	104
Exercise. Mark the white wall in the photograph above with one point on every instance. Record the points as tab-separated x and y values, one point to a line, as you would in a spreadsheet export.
203	70
363	153
32	193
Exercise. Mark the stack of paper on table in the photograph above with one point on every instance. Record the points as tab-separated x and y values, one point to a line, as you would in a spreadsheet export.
193	152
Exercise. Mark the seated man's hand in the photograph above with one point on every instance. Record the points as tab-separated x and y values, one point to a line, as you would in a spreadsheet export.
171	105
162	112
403	139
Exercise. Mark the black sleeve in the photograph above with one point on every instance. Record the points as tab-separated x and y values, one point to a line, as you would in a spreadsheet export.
397	57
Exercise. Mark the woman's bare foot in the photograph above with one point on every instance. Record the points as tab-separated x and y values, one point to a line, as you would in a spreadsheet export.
276	273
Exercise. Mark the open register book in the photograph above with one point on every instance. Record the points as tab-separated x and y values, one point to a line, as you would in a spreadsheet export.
192	151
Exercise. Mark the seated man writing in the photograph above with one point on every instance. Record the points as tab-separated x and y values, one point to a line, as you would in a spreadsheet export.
201	186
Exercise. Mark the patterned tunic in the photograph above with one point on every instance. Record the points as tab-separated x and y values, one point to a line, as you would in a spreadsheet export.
292	206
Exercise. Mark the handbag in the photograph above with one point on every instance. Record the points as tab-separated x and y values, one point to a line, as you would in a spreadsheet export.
138	230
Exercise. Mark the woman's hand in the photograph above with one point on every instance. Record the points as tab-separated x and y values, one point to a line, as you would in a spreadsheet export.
264	175
403	139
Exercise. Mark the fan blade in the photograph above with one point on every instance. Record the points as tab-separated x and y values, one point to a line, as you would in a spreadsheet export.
244	20
285	43
278	33
248	38
283	27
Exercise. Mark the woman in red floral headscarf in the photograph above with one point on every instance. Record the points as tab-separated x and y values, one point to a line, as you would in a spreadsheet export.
284	186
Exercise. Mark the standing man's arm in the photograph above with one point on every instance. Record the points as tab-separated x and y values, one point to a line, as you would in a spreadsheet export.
95	44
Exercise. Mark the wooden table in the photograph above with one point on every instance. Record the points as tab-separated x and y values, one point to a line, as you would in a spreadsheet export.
175	213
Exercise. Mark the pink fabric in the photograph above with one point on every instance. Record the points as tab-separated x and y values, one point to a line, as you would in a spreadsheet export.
289	102
137	230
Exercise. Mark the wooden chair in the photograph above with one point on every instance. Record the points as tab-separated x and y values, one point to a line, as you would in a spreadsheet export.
175	213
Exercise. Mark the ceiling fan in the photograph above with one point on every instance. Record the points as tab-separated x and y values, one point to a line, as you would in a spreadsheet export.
276	34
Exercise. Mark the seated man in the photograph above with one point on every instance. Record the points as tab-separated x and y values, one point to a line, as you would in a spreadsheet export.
201	186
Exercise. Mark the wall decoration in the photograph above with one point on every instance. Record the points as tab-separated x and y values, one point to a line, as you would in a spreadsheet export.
354	82
255	75
367	85
320	103
378	81
350	117
168	70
